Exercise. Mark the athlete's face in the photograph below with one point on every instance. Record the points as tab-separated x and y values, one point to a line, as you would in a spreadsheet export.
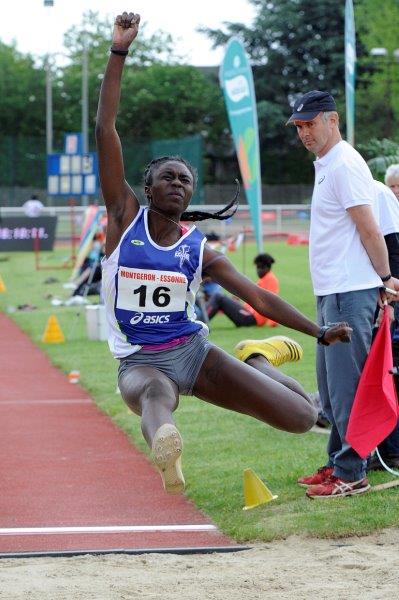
172	187
393	183
316	135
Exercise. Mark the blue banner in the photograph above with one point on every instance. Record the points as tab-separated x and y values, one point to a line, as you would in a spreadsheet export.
350	71
235	76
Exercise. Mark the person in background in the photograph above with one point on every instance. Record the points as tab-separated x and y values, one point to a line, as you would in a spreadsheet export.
388	219
204	295
386	212
33	207
89	281
244	315
392	179
348	265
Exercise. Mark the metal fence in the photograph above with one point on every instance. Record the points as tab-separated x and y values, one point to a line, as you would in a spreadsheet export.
278	220
276	194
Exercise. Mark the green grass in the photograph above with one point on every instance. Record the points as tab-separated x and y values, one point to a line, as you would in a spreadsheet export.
219	444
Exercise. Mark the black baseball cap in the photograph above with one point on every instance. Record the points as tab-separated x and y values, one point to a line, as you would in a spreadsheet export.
308	106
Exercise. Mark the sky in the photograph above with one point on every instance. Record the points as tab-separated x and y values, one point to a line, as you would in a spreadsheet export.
39	30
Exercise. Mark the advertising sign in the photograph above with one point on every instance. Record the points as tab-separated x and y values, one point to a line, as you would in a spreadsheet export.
18	234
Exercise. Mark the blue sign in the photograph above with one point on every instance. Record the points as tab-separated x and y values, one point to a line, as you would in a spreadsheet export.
72	173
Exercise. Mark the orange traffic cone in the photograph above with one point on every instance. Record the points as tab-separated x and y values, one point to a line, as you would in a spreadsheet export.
53	334
2	285
255	491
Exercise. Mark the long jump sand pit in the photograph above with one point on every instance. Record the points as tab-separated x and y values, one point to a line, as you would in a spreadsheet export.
295	568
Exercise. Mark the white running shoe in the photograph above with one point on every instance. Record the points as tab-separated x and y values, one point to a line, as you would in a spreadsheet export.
167	449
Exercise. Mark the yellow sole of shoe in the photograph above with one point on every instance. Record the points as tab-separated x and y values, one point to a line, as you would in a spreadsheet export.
167	449
289	350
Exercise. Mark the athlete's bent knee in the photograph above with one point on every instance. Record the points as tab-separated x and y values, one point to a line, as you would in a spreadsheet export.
305	420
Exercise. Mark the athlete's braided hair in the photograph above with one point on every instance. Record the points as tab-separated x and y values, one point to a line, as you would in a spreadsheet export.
193	215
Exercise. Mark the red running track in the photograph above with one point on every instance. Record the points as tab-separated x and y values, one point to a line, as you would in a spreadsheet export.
71	481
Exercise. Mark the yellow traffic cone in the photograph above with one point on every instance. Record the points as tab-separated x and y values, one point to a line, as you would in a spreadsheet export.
255	491
2	285
53	334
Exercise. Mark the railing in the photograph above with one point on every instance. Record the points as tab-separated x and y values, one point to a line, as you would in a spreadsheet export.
277	220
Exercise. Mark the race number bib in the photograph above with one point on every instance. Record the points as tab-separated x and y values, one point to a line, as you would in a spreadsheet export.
144	290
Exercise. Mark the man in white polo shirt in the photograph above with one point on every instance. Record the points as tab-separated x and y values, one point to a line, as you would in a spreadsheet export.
348	265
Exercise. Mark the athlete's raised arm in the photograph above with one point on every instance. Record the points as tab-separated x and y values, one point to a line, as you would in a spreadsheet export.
119	198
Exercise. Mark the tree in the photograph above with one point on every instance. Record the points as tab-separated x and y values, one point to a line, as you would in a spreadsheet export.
22	116
377	102
22	85
161	98
95	35
294	46
379	155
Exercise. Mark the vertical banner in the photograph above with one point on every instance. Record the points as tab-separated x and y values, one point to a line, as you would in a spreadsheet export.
350	71
235	76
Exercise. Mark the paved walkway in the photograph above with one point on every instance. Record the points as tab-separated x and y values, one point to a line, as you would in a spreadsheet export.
71	480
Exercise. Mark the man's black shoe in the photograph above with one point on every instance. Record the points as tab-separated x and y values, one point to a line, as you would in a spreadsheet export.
322	421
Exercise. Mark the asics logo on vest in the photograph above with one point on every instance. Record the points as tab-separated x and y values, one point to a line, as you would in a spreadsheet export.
321	179
137	318
137	242
149	319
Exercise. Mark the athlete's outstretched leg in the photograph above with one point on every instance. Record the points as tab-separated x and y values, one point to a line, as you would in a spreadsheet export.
276	350
272	398
260	363
153	396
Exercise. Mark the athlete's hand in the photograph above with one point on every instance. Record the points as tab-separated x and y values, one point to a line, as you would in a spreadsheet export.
126	28
338	332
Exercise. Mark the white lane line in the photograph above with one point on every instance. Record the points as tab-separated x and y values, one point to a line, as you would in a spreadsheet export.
104	529
61	401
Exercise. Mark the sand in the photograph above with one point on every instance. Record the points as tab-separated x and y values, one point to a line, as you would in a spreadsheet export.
295	568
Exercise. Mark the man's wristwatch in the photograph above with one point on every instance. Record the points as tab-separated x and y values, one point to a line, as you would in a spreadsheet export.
321	334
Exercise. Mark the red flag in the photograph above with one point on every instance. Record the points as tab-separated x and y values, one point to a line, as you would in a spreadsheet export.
375	408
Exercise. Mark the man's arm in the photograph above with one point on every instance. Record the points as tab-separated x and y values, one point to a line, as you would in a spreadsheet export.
373	241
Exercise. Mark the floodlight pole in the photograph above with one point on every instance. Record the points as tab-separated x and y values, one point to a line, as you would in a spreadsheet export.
49	108
49	95
85	105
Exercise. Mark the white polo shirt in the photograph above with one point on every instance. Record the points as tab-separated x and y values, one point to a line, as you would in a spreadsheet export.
387	209
338	260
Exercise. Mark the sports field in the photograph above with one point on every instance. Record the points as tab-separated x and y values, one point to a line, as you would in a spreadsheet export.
218	445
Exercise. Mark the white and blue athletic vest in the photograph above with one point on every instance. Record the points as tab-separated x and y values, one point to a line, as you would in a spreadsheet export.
149	290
